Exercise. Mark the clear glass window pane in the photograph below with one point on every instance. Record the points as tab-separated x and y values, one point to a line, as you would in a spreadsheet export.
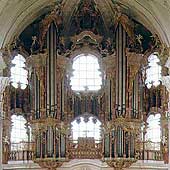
153	134
91	67
18	132
18	72
153	73
86	74
86	128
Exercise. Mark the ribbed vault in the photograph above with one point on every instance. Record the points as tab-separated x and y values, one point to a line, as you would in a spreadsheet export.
16	15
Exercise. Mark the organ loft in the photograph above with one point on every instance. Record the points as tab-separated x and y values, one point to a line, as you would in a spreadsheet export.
85	83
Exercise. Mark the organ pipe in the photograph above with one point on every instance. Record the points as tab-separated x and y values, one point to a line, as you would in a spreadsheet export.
121	71
51	73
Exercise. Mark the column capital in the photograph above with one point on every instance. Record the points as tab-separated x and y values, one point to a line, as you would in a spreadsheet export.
4	81
2	64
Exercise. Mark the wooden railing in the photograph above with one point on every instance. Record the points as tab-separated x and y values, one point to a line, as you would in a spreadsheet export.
149	151
85	148
21	155
22	151
81	149
149	155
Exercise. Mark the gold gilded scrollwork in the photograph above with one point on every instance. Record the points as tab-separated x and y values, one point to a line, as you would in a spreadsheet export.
62	63
38	62
94	38
125	22
64	128
134	61
85	149
49	164
56	17
121	163
109	64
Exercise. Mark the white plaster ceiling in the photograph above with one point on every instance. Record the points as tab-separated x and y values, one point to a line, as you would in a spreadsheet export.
15	15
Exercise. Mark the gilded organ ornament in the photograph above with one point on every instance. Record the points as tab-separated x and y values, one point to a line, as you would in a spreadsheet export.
122	103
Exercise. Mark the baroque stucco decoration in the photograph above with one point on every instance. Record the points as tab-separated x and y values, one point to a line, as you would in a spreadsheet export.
145	15
80	40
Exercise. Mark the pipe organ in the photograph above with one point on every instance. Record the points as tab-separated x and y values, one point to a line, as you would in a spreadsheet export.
119	104
116	104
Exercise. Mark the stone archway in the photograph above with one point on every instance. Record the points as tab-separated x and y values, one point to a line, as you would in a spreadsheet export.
149	13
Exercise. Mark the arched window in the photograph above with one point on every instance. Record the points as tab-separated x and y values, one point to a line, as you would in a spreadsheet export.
86	126
153	134
153	73
18	72
18	133
86	73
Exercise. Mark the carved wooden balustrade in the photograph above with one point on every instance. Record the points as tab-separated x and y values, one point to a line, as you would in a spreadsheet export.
22	151
150	151
86	148
150	155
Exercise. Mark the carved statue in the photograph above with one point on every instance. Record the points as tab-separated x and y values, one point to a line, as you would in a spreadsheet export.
6	146
165	152
56	17
125	22
35	45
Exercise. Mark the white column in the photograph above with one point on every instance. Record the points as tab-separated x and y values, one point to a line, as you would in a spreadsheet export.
166	82
3	83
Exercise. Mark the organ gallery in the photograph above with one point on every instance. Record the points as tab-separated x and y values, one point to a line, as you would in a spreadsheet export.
92	85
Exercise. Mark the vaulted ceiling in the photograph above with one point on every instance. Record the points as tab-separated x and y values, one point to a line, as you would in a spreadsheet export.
16	15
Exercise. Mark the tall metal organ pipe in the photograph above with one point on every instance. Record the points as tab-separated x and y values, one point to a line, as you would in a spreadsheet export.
121	71
51	67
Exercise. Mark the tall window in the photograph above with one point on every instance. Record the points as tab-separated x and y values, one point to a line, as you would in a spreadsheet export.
18	133
18	72
153	73
153	134
86	127
86	73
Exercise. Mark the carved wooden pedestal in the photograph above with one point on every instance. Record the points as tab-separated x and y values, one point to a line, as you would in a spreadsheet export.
120	163
49	163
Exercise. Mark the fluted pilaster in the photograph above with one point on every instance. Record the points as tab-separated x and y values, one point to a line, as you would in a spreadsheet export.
3	83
